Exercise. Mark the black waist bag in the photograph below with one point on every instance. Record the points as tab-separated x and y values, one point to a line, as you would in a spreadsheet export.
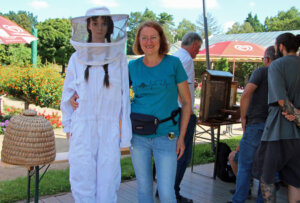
143	124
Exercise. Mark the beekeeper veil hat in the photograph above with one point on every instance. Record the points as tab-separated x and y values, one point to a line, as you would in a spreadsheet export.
99	53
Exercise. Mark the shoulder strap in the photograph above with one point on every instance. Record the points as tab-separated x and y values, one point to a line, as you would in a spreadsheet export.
173	115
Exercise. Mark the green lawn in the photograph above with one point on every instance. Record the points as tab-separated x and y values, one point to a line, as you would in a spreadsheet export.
14	190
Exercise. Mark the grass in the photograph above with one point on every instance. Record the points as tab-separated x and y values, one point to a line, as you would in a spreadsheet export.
57	181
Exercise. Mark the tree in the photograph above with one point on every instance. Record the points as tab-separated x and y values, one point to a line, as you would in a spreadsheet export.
183	27
54	41
165	18
254	22
24	19
222	64
212	25
136	18
289	20
237	28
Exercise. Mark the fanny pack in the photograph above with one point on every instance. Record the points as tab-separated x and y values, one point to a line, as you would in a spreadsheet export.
143	124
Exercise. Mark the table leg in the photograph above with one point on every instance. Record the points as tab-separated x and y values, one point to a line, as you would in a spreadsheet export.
212	134
37	180
193	153
216	153
28	184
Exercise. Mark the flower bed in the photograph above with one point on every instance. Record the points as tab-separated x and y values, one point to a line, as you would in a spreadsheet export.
9	111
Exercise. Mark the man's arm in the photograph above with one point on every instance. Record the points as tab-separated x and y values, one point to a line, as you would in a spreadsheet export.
245	102
290	110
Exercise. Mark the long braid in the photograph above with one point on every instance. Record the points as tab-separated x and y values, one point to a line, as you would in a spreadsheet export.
86	72
105	66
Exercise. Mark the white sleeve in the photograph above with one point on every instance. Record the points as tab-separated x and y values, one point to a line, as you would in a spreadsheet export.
126	129
189	68
68	92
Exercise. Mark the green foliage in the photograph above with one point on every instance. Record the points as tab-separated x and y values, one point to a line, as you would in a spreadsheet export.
184	27
237	28
17	54
54	41
136	18
243	71
254	22
200	66
222	64
39	86
289	20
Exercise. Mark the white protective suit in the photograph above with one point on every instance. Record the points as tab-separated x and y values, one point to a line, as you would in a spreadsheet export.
95	142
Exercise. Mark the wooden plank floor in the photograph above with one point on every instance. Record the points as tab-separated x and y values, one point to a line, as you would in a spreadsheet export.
201	189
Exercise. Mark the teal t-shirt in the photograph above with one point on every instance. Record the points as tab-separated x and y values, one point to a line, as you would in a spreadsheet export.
155	90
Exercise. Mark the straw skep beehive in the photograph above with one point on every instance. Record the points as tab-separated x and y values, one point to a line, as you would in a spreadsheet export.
28	140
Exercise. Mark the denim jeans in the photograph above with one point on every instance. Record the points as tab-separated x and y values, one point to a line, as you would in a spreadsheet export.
164	152
184	161
248	146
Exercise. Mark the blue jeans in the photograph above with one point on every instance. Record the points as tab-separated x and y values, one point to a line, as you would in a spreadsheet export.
184	161
248	146
164	152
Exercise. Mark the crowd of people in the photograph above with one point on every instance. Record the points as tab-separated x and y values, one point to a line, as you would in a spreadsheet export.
158	125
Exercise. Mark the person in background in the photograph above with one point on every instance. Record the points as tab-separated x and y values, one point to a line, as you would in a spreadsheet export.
280	146
190	46
254	111
97	75
233	160
157	80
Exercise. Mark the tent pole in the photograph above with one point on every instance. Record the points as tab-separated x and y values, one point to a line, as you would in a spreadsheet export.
206	36
34	47
233	69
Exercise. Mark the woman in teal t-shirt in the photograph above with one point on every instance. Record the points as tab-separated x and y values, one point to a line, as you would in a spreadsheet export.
157	80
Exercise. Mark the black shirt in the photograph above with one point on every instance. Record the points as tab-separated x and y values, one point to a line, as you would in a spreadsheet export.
258	108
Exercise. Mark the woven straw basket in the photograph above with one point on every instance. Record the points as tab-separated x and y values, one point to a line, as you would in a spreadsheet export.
28	140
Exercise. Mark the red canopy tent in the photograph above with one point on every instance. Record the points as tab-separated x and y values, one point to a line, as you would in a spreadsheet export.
234	49
11	33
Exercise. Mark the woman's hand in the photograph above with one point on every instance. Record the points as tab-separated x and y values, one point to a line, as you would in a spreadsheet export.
180	147
73	101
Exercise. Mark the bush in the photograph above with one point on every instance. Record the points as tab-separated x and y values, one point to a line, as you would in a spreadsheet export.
38	86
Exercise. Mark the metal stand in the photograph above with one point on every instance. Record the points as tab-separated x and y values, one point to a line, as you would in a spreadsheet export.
34	171
229	130
214	147
214	141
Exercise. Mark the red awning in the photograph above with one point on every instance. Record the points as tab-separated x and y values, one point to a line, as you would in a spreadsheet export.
11	33
235	49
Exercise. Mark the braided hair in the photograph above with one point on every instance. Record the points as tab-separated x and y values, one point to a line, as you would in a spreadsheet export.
110	29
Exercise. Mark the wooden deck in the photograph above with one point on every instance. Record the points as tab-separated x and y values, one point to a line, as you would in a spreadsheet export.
199	188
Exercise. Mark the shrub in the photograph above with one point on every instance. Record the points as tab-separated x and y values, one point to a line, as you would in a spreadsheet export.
53	118
39	86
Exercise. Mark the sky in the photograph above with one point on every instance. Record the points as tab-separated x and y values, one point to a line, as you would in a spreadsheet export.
226	12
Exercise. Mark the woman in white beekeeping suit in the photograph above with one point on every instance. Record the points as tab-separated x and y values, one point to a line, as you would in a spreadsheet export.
98	73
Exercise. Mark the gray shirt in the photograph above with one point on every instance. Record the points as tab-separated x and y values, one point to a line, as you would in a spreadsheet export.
283	82
258	108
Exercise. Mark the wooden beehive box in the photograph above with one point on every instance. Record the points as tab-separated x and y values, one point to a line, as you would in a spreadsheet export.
215	94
